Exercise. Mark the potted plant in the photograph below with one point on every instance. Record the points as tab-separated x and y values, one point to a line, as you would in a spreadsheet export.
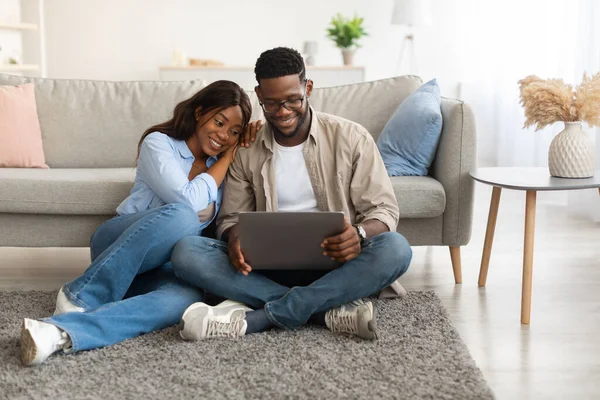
571	153
346	33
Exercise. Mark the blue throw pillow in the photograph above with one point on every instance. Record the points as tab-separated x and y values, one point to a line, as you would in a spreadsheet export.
410	138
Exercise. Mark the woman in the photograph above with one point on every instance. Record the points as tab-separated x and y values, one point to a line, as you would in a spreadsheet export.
129	289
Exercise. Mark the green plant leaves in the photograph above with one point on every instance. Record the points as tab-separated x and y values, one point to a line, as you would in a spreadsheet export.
346	32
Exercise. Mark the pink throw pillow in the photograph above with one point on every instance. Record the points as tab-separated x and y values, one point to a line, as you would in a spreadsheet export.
20	134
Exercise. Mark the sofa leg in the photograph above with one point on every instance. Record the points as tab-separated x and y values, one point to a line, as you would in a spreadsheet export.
455	256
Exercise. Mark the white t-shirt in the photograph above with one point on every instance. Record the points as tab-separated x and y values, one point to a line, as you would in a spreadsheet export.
294	190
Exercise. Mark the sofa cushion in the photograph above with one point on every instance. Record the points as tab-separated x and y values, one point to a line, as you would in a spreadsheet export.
64	191
100	191
20	133
97	124
410	138
419	196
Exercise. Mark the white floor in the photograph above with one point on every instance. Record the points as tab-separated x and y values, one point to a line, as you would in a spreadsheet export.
556	357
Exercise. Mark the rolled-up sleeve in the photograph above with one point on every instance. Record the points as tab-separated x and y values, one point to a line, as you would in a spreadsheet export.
237	196
371	190
159	168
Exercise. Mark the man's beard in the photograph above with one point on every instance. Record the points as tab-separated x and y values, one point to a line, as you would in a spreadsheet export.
300	123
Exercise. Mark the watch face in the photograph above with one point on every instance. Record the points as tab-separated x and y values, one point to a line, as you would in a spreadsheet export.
361	232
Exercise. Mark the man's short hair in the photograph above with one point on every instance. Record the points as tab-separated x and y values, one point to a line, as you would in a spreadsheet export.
278	62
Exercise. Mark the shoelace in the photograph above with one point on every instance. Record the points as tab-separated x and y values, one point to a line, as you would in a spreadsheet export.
344	321
224	329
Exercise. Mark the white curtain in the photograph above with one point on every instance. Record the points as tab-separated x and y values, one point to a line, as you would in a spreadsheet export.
504	41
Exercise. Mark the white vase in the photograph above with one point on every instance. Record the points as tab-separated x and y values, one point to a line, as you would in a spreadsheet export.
571	153
348	56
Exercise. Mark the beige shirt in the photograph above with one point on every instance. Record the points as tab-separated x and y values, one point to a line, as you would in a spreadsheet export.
345	169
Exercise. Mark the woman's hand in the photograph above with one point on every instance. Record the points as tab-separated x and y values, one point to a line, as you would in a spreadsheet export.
230	153
249	135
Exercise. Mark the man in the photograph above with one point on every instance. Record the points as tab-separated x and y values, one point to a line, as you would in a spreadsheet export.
303	161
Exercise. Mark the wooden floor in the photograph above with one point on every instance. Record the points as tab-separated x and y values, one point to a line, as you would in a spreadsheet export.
556	357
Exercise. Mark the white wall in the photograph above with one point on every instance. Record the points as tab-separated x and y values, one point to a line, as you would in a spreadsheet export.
129	39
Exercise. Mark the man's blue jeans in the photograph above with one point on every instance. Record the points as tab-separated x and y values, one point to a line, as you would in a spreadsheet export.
205	263
130	288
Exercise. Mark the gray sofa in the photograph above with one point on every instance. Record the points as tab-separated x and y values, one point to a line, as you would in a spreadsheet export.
90	131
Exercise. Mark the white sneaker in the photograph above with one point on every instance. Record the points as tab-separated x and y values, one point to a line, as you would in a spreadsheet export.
64	305
356	318
39	340
201	321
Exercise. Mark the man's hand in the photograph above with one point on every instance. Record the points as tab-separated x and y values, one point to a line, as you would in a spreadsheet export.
249	135
235	255
343	247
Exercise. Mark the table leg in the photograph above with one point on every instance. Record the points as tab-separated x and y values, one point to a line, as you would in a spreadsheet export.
528	256
489	235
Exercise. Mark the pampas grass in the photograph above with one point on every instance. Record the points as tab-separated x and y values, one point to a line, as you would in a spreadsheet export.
549	101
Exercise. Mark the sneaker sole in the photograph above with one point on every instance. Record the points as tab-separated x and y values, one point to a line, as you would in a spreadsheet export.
28	347
371	334
229	303
181	325
193	307
373	323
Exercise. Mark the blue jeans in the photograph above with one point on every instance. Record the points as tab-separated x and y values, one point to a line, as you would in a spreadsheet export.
130	288
204	262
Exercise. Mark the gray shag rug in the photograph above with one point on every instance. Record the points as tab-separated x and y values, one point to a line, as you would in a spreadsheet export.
419	355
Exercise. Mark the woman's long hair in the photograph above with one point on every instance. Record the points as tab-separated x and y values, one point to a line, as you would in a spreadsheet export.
213	98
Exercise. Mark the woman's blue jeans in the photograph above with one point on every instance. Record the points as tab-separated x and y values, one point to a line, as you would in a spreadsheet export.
130	288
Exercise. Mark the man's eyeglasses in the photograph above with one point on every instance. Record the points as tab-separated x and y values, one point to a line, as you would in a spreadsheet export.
271	107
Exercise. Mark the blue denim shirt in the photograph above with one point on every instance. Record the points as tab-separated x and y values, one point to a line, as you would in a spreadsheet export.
162	178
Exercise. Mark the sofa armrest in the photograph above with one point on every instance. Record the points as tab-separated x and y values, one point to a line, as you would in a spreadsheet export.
456	155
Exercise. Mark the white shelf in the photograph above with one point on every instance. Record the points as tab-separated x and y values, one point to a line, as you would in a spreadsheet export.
18	67
19	27
251	68
244	75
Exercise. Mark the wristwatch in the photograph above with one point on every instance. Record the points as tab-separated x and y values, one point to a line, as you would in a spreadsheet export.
361	233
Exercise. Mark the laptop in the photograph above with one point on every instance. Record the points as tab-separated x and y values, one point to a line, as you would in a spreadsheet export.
288	240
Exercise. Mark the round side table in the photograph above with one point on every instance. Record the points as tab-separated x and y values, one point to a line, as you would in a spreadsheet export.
530	180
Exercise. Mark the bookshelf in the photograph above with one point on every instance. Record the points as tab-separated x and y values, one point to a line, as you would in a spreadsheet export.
22	37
